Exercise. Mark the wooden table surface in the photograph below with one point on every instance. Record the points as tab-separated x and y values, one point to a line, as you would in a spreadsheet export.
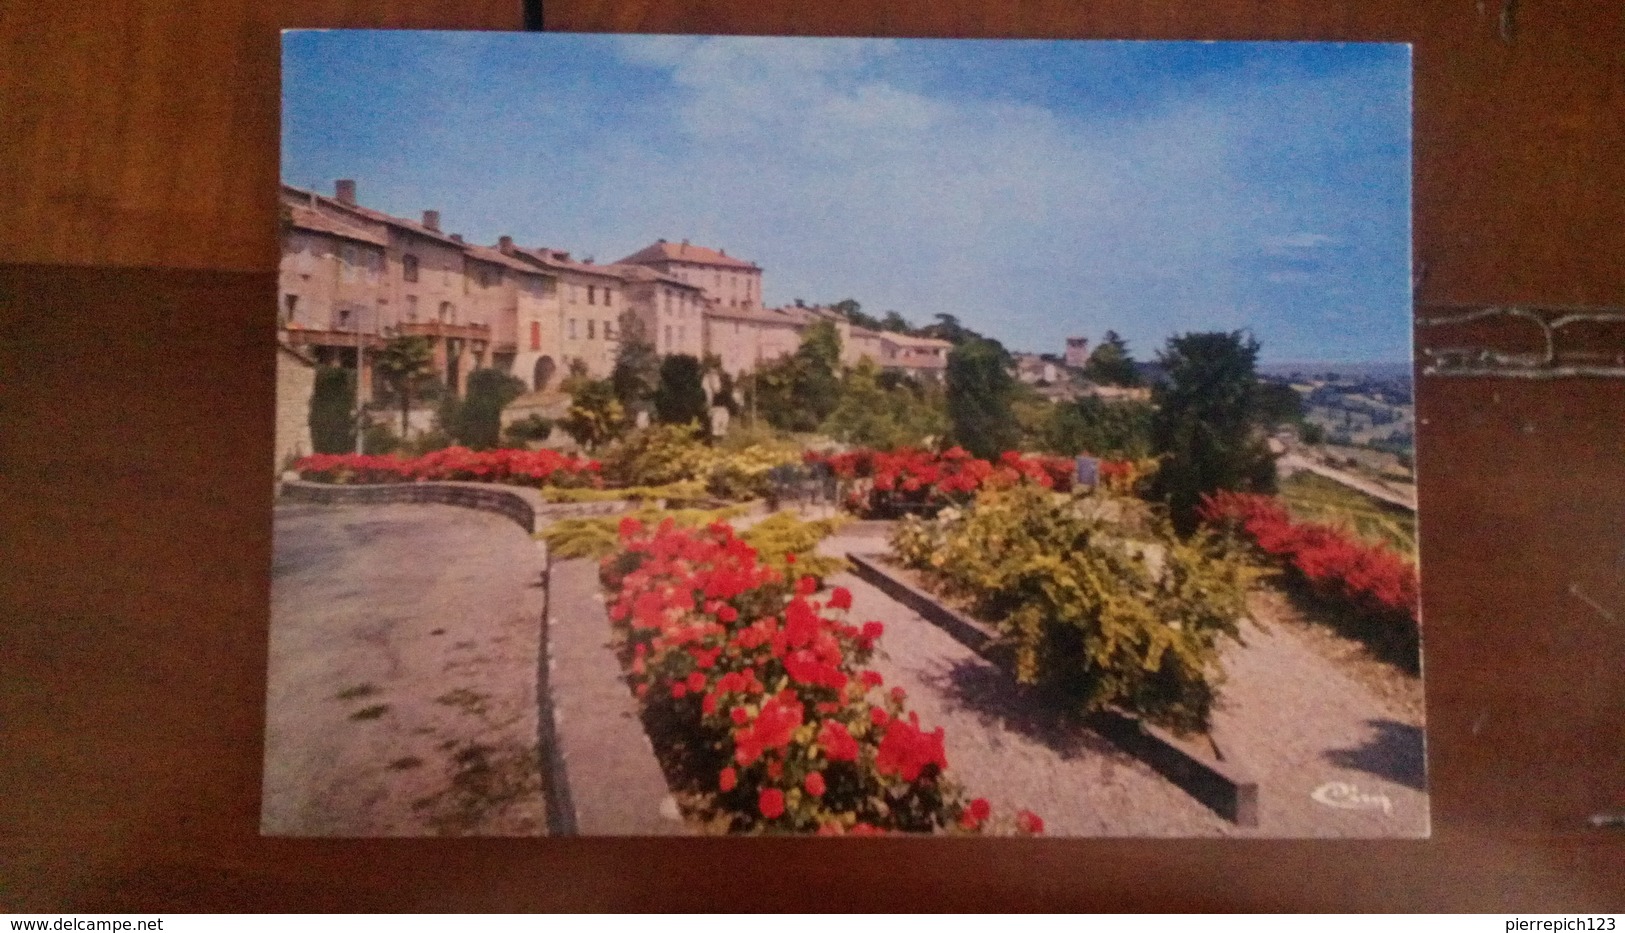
138	167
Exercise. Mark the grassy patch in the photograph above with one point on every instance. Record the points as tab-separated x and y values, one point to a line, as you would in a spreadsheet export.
1311	497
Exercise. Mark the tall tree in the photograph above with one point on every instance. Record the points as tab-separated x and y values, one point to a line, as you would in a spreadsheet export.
637	366
477	422
680	398
406	364
798	392
979	395
1111	364
332	411
1206	429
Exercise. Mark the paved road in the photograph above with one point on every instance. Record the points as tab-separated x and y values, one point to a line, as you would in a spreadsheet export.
403	674
1297	722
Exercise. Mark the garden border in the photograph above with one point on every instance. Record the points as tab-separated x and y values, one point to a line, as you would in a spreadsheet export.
523	504
1225	787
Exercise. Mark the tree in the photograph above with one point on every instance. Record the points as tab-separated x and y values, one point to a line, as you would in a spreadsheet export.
332	411
637	366
405	364
1279	404
476	421
1110	363
798	392
1117	430
1207	426
595	415
532	427
680	398
979	395
871	414
895	323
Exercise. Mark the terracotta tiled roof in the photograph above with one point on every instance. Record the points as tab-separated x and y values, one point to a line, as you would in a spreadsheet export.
685	252
552	259
497	257
367	213
907	340
753	315
307	219
646	274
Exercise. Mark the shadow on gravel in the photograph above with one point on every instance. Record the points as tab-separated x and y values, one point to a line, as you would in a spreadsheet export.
995	698
1394	751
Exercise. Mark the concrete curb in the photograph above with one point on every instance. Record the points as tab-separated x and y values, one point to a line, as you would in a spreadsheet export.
603	768
524	505
1226	787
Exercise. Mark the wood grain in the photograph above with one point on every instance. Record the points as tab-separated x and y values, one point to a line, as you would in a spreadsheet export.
141	135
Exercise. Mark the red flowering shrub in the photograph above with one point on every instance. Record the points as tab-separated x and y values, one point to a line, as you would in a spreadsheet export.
886	484
1334	565
756	693
515	467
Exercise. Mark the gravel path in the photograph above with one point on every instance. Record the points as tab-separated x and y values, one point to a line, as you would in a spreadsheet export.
403	669
1302	727
1013	752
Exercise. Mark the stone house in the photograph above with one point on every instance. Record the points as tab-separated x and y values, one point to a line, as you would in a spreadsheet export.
671	310
727	281
586	319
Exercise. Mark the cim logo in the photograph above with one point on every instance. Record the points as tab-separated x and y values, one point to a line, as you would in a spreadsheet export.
1348	797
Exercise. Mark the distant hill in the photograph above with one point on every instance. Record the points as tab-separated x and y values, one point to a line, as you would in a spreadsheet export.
1382	370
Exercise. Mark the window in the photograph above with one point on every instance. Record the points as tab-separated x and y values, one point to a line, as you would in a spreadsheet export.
668	301
535	335
448	313
409	268
592	294
682	337
290	302
592	330
572	328
609	296
668	335
411	307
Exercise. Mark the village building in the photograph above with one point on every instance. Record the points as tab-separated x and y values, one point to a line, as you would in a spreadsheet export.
1034	369
586	322
727	281
1077	352
352	278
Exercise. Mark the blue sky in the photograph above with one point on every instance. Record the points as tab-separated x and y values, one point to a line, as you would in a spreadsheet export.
1035	189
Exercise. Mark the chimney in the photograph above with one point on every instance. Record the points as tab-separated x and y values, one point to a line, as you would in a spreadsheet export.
722	252
344	190
457	236
431	219
505	245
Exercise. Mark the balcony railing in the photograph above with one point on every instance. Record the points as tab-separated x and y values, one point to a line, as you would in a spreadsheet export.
443	329
321	337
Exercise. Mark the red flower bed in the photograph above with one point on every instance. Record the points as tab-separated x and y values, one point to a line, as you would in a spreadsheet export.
516	467
1333	564
757	687
907	480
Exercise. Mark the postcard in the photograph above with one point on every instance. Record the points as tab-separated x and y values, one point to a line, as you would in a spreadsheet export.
686	435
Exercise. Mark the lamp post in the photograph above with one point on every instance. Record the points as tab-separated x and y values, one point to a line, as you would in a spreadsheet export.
360	410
